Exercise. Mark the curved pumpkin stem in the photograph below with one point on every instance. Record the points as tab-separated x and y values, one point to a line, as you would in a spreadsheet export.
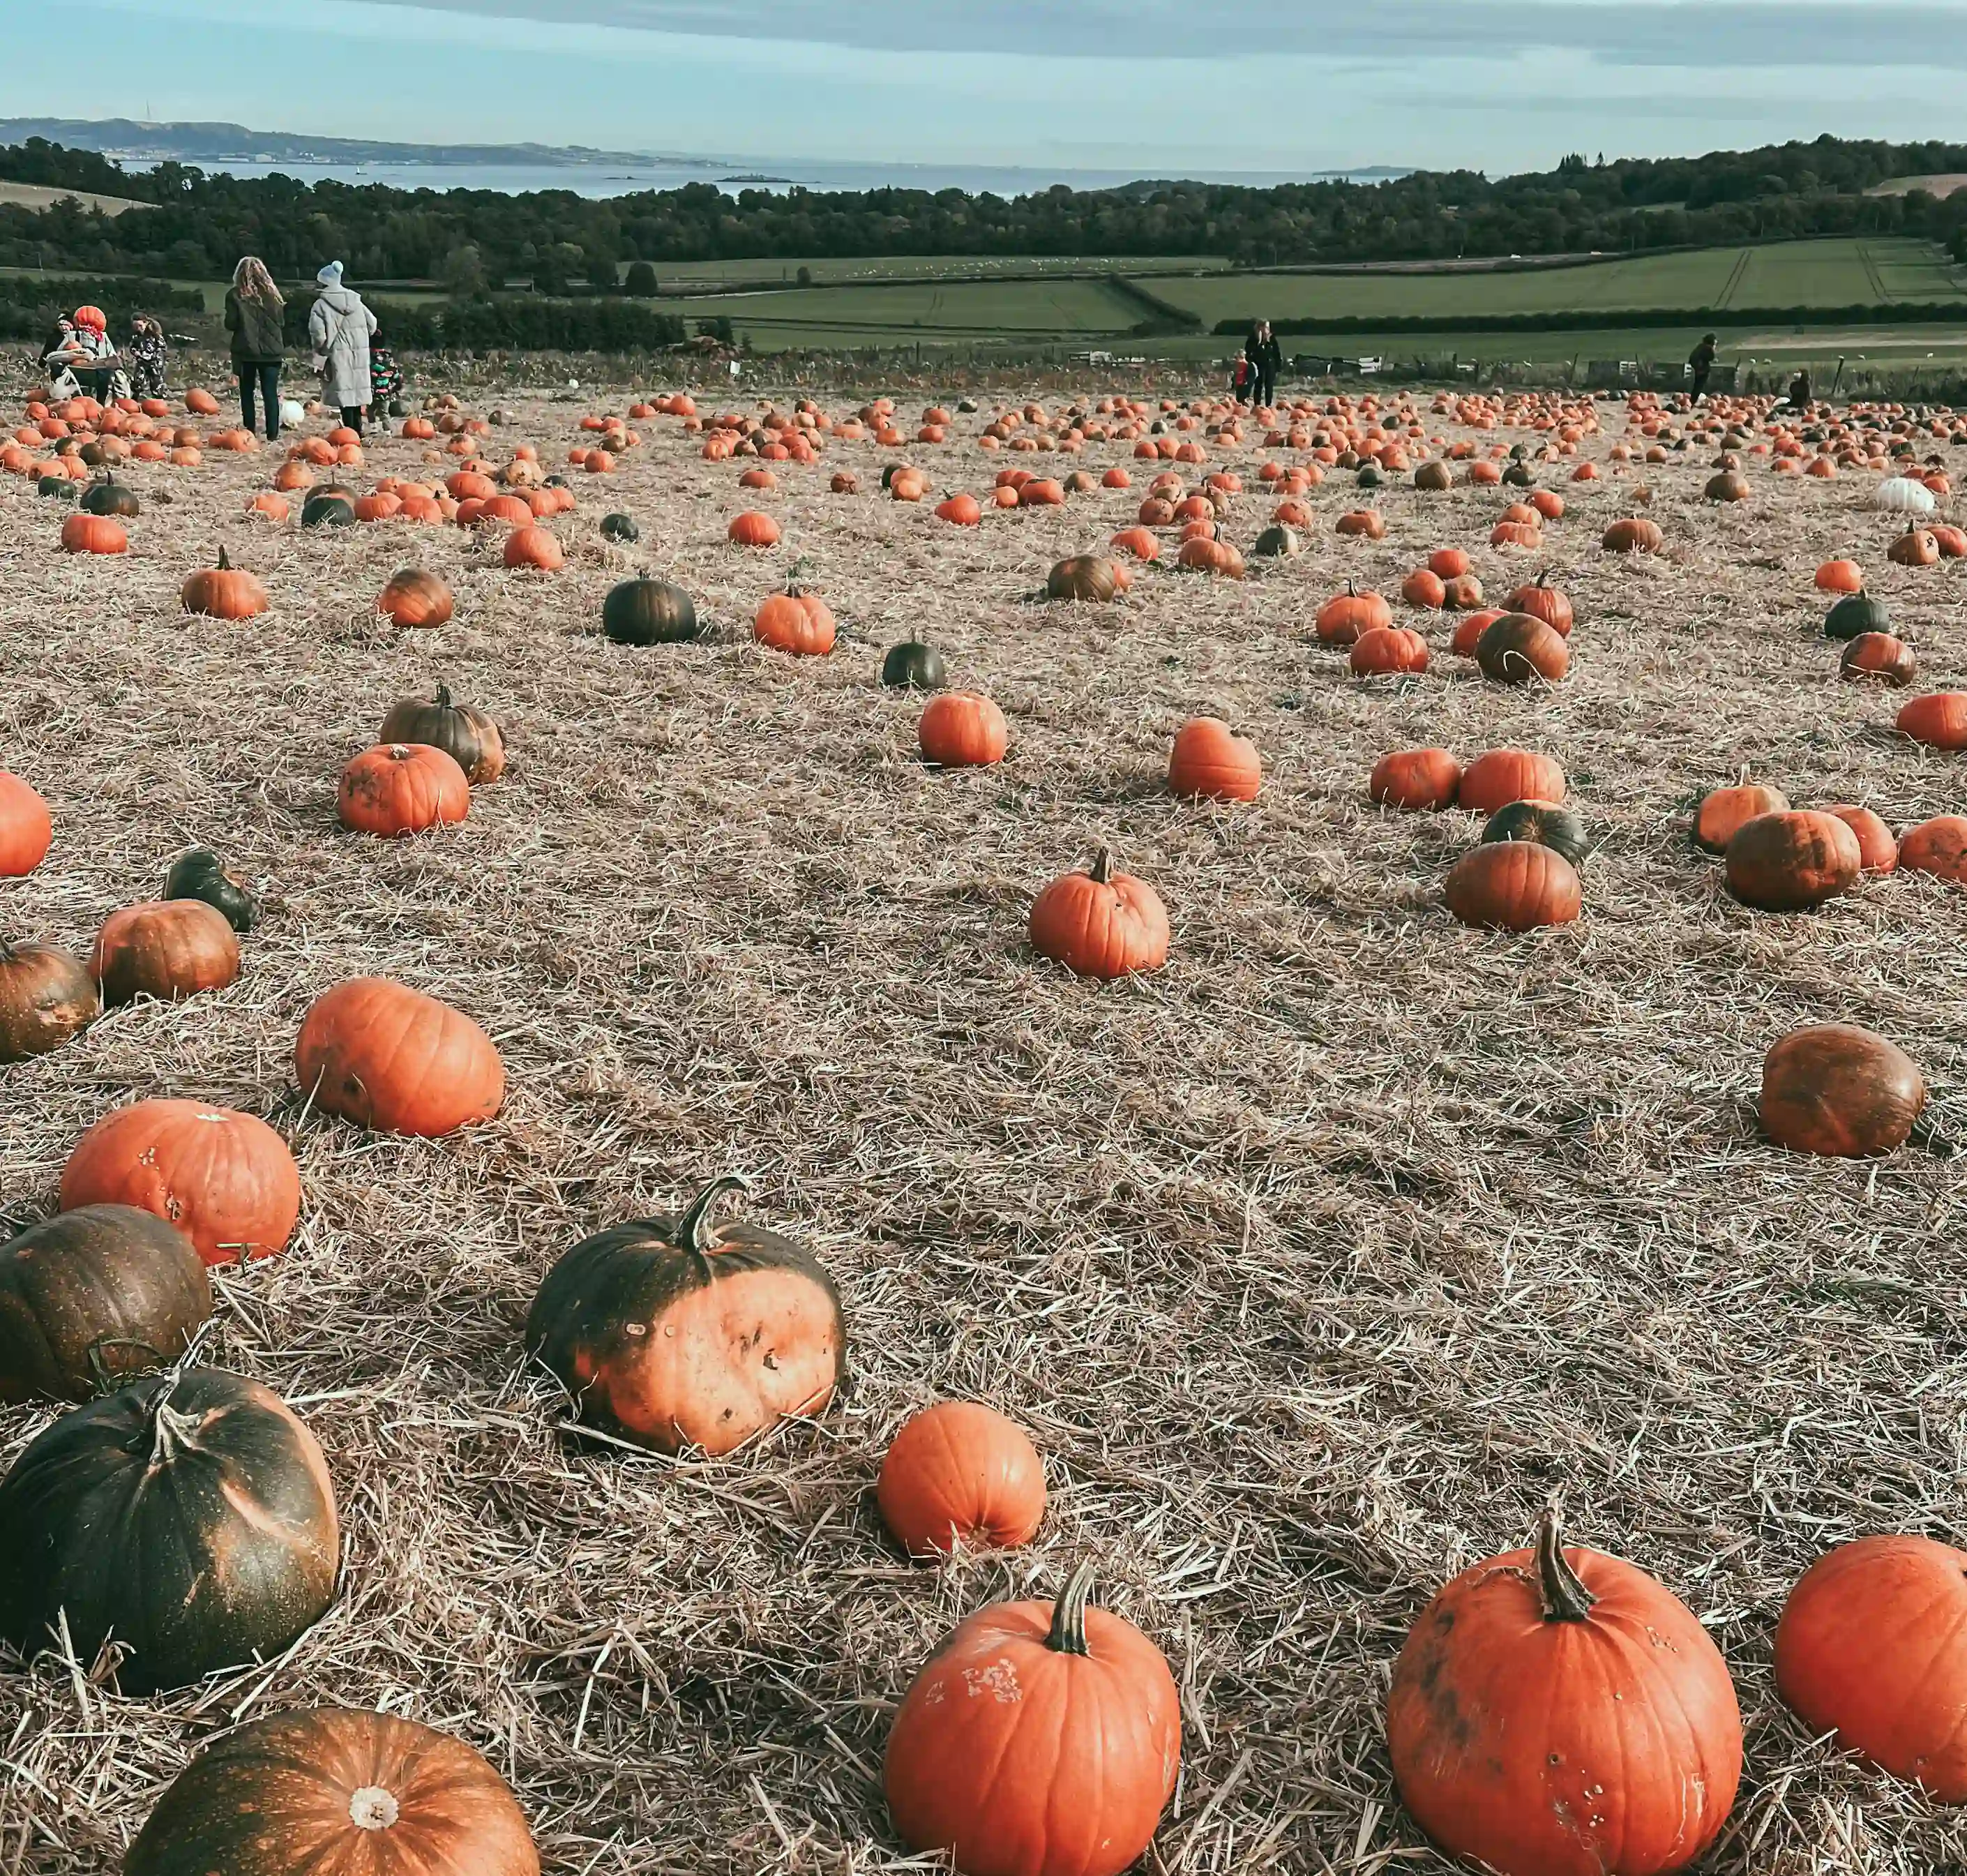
1101	871
690	1233
1565	1598
170	1432
1068	1635
443	695
224	565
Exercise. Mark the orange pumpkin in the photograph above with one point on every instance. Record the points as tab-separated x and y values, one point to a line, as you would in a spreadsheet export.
1841	1091
1938	846
387	1057
1388	650
1514	885
796	621
1209	759
1494	780
1789	861
534	547
1543	600
1939	720
1516	648
1100	923
224	592
1877	850
1343	619
1039	1740
94	534
960	1473
1554	1712
1840	575
402	788
414	598
226	1180
168	948
1877	655
1724	812
753	529
1416	780
1637	536
27	830
962	729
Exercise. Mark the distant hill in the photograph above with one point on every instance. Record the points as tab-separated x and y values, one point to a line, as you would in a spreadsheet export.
212	142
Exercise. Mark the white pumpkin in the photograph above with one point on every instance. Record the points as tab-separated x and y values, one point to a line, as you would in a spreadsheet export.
1901	494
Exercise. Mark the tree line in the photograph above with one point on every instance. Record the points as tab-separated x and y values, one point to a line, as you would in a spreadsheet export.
192	224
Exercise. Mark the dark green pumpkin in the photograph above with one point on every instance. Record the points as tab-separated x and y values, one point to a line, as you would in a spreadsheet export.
190	1517
1545	823
912	665
620	528
59	488
1370	475
327	508
1855	614
109	496
648	612
199	873
671	1333
1277	541
1519	475
93	1295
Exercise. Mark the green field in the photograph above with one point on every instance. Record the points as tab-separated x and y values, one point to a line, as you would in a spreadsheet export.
692	273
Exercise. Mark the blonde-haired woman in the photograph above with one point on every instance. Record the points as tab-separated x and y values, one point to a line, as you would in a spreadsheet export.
254	315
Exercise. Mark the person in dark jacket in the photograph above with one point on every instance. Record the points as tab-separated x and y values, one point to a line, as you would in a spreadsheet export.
144	355
255	315
1800	397
1267	361
1700	362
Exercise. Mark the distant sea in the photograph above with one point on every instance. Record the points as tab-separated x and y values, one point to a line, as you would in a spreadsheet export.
602	180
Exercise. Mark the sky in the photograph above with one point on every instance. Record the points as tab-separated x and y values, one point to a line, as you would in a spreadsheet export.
1156	87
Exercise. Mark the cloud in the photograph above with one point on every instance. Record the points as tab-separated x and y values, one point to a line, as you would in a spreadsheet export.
1705	34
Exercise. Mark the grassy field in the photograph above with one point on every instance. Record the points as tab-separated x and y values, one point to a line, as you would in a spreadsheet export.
35	195
872	268
1315	1264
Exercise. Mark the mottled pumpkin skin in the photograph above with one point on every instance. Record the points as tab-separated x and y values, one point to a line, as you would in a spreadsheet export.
335	1793
191	1520
45	996
103	1291
670	1349
1837	1090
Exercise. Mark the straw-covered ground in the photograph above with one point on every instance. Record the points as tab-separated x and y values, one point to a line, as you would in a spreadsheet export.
1315	1264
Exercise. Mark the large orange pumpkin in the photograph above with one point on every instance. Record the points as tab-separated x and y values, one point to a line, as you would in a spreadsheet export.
226	1180
1723	813
389	1057
961	730
1495	779
672	1332
332	1792
27	830
167	948
414	598
1039	1740
1343	619
1834	1089
1872	1645
796	621
1561	1713
1210	760
1788	862
402	788
1939	720
1514	885
1414	780
1938	846
960	1472
1101	924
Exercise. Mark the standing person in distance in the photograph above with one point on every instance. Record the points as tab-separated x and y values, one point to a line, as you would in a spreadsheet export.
339	328
144	353
254	316
1700	362
1267	361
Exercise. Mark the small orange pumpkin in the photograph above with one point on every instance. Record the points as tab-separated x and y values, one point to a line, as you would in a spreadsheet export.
1210	760
1100	923
960	1474
1414	781
963	729
400	788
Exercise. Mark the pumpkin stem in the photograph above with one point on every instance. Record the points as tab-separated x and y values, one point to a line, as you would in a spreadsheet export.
170	1432
443	695
690	1234
224	565
1565	1598
1068	1614
1102	868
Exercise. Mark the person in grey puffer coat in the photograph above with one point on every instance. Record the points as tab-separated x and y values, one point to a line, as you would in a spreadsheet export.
339	327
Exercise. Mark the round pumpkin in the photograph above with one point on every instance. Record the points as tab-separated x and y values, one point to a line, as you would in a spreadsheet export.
1878	849
1724	812
398	788
93	1295
188	1516
960	1473
1938	846
796	621
93	534
670	1332
168	948
464	731
224	592
45	996
1545	823
1790	861
1857	614
753	529
1541	600
621	529
1088	578
1497	778
1939	720
1516	648
1387	651
1075	1698
1101	924
1415	780
199	873
912	665
1877	655
1870	1647
1636	536
1839	1091
1561	1713
226	1180
27	829
648	612
534	548
329	1791
1210	760
1343	619
1513	886
389	1057
962	729
415	599
328	508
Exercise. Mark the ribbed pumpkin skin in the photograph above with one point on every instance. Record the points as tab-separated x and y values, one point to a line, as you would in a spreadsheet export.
1414	781
383	1056
226	1180
464	731
1543	822
669	1350
1028	1762
1938	719
1724	812
167	948
1101	924
1514	886
1498	777
1938	846
1516	648
1210	760
402	788
307	1792
193	1520
1836	1089
1610	1746
108	1279
1790	862
961	1473
1872	1645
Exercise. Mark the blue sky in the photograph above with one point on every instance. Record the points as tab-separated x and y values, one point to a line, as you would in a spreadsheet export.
1155	86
